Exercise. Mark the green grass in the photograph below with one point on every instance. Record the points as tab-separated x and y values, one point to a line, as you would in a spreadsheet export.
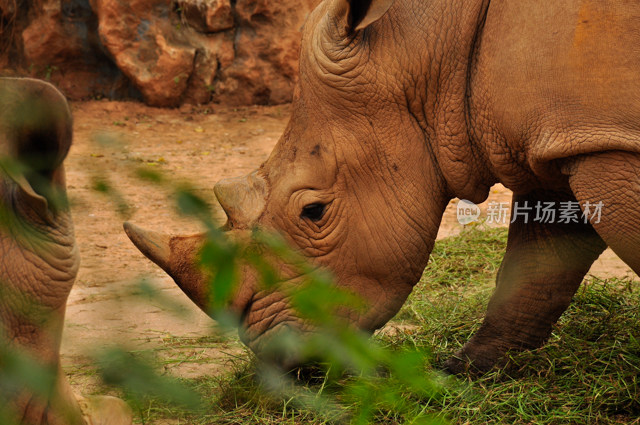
587	373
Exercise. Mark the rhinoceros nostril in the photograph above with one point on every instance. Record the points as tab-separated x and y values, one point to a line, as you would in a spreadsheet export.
246	309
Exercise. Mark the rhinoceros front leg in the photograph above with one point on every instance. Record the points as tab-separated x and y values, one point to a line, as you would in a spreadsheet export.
543	267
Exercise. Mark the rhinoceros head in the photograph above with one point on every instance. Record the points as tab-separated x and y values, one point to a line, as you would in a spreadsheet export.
351	184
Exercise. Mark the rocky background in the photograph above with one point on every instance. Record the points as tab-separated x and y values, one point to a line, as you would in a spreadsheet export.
164	52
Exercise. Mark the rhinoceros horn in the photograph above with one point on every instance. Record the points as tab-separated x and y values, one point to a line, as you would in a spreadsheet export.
243	200
176	255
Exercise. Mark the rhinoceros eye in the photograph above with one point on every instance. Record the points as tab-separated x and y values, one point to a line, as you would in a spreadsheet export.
313	212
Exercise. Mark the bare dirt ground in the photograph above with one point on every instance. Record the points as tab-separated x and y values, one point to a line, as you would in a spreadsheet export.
112	140
196	145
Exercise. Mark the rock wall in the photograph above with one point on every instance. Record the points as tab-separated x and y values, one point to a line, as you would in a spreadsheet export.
165	52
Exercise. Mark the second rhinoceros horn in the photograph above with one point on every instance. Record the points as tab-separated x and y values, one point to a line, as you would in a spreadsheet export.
242	198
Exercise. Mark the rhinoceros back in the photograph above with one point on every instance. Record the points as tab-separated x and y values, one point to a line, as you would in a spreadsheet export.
561	79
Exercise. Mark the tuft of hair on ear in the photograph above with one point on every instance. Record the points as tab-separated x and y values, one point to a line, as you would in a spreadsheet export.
357	12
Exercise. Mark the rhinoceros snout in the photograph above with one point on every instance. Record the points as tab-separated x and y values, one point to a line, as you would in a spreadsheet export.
242	198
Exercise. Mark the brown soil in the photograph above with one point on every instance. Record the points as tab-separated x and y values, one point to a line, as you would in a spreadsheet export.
196	145
112	140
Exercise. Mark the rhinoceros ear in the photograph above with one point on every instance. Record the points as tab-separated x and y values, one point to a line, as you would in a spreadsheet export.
359	14
35	137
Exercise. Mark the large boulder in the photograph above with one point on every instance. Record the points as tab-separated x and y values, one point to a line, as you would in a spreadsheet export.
166	52
267	43
207	16
60	43
146	47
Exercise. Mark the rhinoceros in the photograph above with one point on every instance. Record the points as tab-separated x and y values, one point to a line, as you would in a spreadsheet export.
38	259
404	105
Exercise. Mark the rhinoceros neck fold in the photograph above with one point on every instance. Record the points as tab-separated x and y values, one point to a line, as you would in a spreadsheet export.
38	266
441	101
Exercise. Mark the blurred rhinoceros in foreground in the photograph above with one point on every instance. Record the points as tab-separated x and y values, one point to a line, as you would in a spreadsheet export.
38	262
403	105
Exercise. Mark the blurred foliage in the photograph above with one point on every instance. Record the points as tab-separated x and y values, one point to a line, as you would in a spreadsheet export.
586	374
20	371
139	379
379	378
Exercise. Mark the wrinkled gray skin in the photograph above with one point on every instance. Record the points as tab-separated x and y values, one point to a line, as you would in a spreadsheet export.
403	105
38	254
